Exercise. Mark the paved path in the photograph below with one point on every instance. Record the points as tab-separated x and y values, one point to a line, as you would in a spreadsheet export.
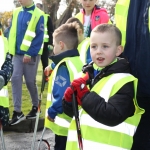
23	141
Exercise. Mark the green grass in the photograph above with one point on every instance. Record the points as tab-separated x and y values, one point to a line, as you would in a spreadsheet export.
26	100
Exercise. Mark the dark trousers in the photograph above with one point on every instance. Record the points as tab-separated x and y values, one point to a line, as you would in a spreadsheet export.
142	135
60	142
44	56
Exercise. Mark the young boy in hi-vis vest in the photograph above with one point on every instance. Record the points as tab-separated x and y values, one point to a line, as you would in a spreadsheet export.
67	67
83	46
26	45
110	113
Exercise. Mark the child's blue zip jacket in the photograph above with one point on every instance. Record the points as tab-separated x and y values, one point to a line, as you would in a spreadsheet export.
22	24
59	89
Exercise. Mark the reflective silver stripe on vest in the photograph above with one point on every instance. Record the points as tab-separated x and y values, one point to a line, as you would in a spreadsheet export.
72	135
46	36
74	70
49	97
42	46
83	52
4	92
59	121
89	145
45	28
26	42
106	90
122	127
30	33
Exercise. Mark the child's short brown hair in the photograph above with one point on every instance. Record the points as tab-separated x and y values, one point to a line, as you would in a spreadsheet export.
109	28
68	33
73	19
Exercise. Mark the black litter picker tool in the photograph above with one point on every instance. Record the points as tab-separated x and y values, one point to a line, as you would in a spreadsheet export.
39	111
76	114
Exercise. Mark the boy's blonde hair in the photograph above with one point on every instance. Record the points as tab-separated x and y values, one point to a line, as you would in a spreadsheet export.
109	28
67	33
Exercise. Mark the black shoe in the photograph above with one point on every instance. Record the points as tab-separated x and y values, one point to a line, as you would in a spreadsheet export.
32	113
17	117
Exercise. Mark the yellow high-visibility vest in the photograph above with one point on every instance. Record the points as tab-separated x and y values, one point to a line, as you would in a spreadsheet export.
4	97
29	34
62	121
98	136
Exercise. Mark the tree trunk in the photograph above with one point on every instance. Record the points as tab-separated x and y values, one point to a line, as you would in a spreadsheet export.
67	13
51	7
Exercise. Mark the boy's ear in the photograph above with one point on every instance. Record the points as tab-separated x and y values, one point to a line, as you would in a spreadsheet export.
80	31
61	44
119	50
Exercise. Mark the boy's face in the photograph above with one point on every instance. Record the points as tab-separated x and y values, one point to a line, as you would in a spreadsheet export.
103	48
25	3
88	5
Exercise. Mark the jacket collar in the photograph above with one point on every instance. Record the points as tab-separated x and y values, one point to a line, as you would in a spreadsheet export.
31	7
69	53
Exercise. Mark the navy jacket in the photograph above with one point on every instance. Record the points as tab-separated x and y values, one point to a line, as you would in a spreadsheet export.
137	48
22	23
62	76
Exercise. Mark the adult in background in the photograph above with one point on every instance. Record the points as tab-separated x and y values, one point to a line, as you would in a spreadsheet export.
133	19
48	39
26	44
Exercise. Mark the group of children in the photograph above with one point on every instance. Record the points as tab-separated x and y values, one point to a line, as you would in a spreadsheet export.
109	113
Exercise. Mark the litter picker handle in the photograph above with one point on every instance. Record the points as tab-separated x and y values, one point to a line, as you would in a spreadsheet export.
76	114
43	82
75	105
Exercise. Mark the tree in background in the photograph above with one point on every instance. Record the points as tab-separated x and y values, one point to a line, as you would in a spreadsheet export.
4	17
51	7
